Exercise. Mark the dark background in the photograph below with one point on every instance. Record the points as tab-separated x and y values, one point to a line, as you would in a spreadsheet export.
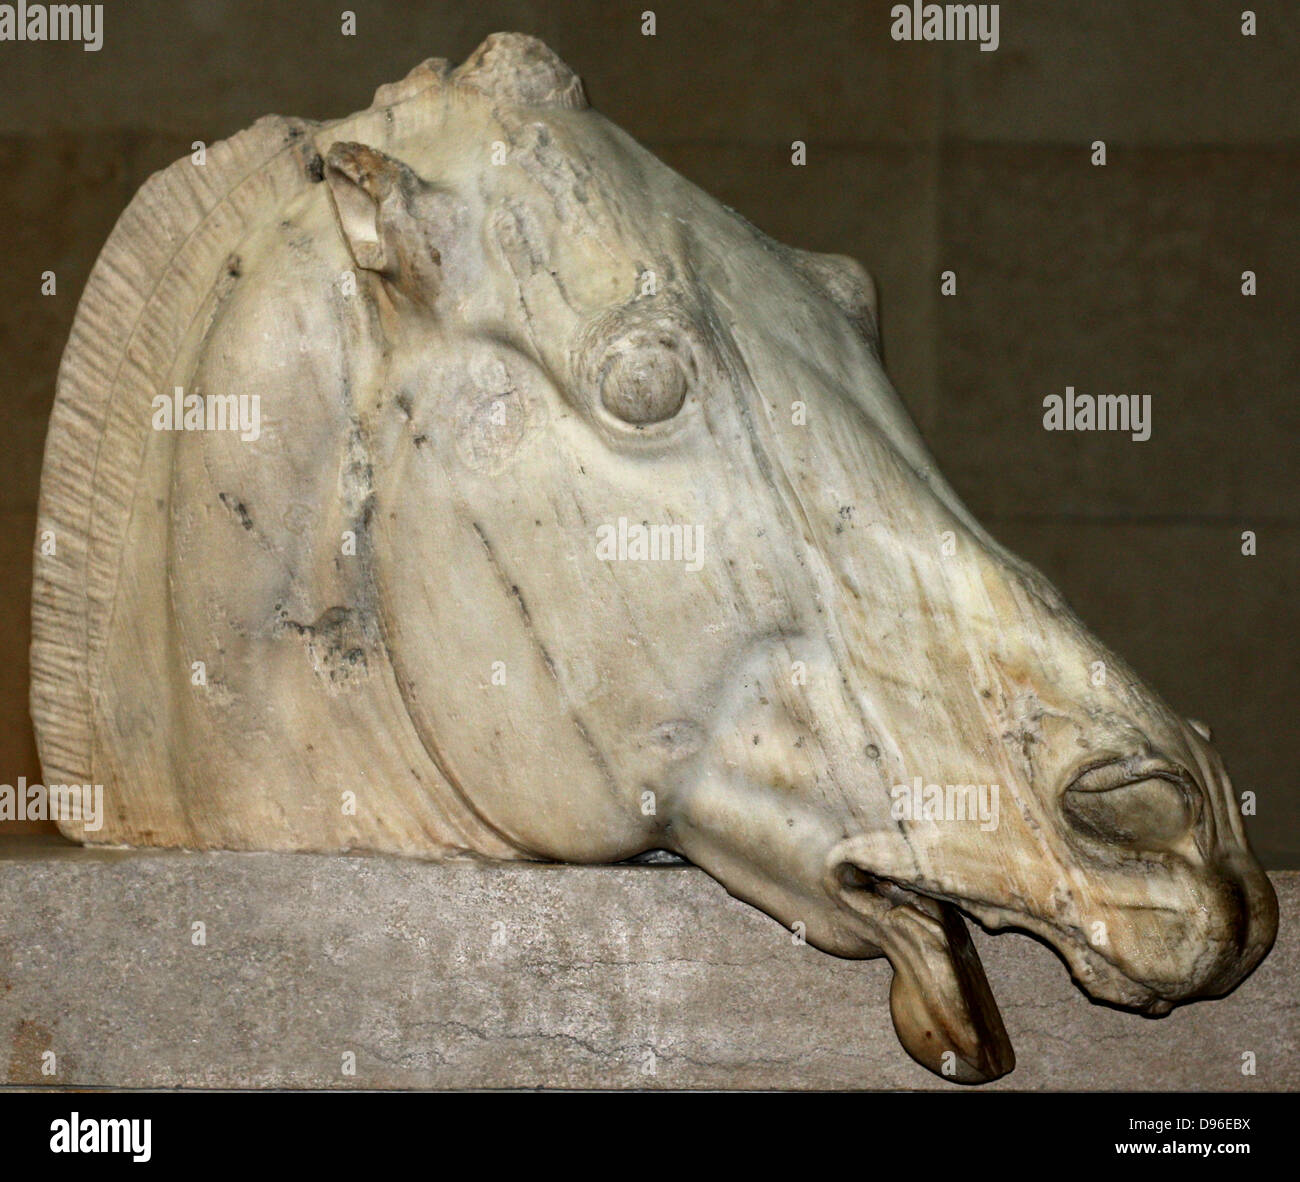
920	158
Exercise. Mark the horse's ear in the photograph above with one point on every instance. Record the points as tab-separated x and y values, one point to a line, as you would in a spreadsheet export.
387	216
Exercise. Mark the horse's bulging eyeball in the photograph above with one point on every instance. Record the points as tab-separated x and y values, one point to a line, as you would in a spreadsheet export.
644	382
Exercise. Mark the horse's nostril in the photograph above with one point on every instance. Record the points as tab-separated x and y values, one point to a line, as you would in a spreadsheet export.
1119	805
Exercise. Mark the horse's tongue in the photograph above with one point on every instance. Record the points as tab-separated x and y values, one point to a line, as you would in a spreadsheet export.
943	1008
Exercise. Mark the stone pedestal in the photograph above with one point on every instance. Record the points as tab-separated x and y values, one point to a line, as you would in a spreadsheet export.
471	975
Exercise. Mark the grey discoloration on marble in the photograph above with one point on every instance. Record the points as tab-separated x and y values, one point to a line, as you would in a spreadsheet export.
311	956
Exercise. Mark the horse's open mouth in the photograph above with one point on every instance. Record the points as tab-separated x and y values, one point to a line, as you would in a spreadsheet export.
944	1012
943	1009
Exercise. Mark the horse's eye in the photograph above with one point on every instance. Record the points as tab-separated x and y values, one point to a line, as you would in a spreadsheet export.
645	380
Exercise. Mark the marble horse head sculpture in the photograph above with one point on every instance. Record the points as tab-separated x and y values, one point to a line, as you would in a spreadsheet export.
456	477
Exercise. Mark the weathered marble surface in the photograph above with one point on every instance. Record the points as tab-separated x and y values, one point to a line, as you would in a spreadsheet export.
467	333
311	956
